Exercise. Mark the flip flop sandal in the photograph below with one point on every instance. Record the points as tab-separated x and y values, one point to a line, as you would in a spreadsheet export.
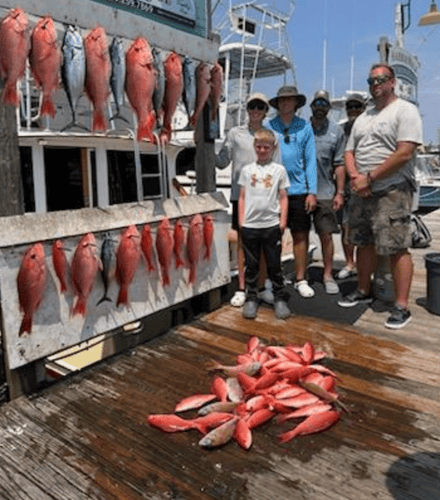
304	289
238	299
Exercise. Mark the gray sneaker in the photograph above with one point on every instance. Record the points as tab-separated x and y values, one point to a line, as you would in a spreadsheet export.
281	310
250	309
266	295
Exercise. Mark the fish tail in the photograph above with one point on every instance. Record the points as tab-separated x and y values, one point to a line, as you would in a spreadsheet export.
80	307
145	132
287	436
192	274
26	324
179	262
47	107
99	121
104	299
207	254
166	278
63	287
122	297
10	95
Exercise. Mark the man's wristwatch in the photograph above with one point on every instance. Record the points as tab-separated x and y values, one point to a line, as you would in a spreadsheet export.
342	193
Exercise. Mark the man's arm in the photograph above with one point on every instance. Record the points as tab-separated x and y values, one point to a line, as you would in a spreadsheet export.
241	197
338	200
393	163
283	209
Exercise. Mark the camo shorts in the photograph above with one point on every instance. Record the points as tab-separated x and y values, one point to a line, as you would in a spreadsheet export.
383	221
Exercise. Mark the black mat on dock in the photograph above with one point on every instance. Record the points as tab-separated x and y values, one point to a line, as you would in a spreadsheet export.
323	305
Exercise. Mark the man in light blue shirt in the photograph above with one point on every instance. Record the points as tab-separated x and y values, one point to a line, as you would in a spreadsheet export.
298	155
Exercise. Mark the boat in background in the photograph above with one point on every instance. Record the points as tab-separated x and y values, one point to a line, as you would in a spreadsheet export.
428	180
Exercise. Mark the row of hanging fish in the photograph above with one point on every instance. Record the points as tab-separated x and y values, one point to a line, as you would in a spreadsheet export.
267	382
153	84
173	242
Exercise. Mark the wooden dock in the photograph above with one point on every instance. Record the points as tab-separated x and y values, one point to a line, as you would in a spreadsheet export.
87	436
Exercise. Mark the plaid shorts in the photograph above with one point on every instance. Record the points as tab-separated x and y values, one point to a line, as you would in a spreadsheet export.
383	221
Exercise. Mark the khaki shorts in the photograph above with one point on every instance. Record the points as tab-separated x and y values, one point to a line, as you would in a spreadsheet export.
383	221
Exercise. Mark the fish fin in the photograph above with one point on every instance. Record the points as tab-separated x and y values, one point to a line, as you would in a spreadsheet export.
10	95
47	107
26	324
99	121
122	297
104	299
80	307
192	274
179	262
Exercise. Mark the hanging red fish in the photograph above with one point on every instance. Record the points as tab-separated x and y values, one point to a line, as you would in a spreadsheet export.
31	283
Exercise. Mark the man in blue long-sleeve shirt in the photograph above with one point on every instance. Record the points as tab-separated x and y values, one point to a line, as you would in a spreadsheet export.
298	155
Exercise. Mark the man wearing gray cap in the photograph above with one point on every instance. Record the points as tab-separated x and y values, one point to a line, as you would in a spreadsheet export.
354	106
298	155
238	149
329	142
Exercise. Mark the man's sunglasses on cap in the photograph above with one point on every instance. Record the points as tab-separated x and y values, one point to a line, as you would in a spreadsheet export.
260	105
378	80
354	105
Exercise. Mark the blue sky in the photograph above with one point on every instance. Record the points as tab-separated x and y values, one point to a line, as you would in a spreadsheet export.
352	28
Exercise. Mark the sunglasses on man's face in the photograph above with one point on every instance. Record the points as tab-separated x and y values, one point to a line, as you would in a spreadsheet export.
261	106
378	80
353	105
321	103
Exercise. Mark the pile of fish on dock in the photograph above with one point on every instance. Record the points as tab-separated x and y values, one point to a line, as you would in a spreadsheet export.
153	84
172	242
284	382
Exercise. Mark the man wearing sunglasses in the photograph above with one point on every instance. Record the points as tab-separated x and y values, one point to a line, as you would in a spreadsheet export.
354	106
238	150
379	159
298	155
329	141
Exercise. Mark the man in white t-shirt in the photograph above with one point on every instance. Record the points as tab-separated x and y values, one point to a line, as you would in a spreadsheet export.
262	219
379	160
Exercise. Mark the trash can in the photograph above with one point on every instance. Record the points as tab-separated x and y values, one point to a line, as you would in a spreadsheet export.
432	263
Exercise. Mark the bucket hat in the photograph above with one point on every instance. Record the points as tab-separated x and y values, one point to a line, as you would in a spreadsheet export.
258	96
288	91
321	94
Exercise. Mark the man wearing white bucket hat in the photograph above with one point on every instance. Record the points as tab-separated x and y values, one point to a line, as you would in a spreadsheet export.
298	155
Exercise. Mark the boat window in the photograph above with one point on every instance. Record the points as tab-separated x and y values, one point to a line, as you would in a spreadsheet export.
122	176
65	182
27	178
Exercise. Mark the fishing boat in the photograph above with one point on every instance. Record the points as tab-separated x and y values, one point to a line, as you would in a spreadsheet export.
428	180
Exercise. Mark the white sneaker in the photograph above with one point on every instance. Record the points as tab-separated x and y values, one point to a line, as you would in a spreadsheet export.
304	289
346	272
238	299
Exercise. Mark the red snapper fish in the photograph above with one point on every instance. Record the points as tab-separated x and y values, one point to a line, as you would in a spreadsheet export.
216	89
208	235
45	62
179	243
60	264
164	247
314	423
85	265
98	69
140	82
203	79
31	283
14	49
147	247
194	245
173	92
127	261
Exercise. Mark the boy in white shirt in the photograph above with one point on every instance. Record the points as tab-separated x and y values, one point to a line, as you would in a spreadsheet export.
262	219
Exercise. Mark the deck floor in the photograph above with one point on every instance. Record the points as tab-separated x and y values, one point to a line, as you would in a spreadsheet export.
87	437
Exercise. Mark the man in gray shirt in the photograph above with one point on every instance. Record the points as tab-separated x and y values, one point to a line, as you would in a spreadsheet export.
329	143
380	158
